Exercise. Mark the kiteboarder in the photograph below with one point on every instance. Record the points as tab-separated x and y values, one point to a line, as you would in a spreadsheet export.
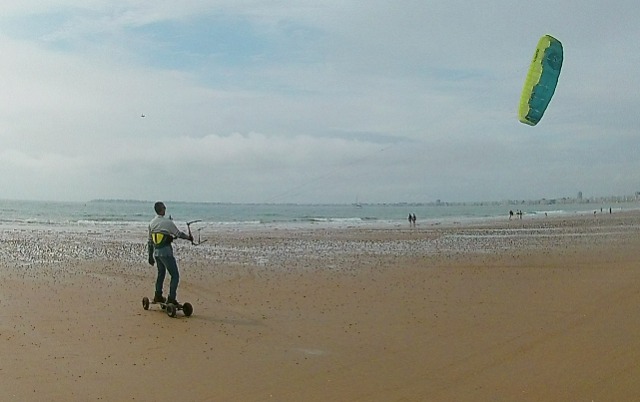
162	232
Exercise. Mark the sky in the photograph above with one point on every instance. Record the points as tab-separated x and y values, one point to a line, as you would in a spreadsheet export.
323	101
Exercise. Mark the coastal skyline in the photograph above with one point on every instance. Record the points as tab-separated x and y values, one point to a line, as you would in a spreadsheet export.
303	102
580	199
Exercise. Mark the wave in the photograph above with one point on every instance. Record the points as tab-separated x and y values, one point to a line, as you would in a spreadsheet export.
137	214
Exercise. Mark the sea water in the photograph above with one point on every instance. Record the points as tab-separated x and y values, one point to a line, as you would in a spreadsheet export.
247	216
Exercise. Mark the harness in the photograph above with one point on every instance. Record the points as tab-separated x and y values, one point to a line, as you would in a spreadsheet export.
161	239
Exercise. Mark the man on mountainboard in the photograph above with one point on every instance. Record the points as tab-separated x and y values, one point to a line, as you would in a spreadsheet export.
162	232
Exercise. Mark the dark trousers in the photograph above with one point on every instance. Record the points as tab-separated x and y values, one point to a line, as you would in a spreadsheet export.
167	264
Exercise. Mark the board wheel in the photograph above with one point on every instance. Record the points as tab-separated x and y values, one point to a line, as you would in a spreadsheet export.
171	310
187	309
145	303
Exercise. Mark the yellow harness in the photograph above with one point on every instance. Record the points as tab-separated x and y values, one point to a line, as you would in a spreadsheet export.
161	239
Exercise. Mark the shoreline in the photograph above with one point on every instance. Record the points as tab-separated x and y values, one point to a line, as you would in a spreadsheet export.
40	244
279	217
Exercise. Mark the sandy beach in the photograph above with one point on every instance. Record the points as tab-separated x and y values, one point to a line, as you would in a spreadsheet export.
538	309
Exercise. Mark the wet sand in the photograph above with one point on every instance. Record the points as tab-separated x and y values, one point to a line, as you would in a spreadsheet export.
526	310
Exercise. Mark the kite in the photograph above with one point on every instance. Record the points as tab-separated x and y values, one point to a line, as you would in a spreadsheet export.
541	81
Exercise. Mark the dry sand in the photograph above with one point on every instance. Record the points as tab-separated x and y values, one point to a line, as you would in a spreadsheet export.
524	310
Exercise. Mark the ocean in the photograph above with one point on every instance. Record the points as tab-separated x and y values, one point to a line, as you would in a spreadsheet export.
238	216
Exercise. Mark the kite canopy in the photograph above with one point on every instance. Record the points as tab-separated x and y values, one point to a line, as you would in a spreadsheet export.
541	81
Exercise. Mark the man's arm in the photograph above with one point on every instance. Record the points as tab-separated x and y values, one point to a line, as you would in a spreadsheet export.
150	248
179	234
185	236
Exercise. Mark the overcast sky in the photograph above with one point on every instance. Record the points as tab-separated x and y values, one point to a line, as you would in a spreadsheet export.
314	100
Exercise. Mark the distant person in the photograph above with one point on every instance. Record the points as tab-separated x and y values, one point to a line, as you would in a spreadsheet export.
413	218
162	232
410	218
510	214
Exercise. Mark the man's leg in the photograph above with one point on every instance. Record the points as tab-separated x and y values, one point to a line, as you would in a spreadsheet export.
162	272
172	267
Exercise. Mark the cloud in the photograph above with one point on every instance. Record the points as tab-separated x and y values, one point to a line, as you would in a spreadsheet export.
312	101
